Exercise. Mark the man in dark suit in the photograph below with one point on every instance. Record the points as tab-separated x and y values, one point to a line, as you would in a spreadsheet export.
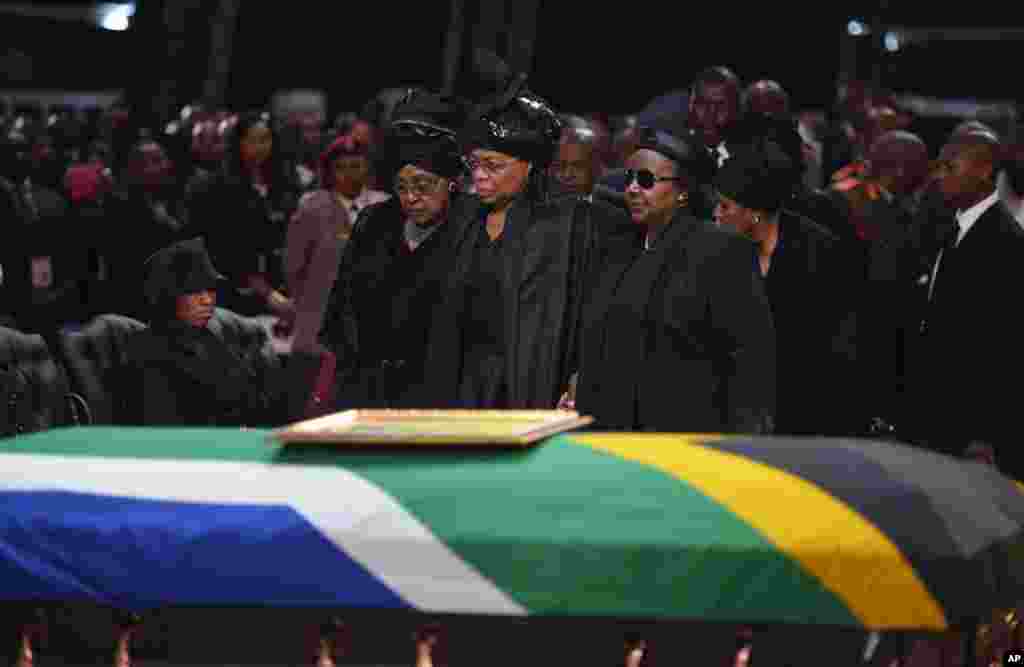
715	109
967	355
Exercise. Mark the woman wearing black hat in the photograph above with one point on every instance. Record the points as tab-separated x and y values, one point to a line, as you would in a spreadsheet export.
804	281
243	215
393	268
679	335
198	365
508	333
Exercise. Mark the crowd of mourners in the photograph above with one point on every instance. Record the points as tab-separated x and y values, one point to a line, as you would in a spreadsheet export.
717	262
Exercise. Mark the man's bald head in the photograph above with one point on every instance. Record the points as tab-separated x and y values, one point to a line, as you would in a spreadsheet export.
970	126
767	97
578	160
899	161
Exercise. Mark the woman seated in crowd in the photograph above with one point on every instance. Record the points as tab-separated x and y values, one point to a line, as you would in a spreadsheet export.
243	214
679	334
196	364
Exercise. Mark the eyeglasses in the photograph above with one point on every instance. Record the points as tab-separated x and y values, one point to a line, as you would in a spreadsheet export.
421	187
489	167
645	178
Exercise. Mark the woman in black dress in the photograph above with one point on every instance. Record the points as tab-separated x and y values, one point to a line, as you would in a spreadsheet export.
391	274
808	281
679	333
508	332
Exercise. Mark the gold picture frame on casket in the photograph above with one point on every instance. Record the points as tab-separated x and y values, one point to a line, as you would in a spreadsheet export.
438	428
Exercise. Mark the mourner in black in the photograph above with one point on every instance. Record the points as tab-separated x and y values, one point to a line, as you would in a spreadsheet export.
808	285
198	365
391	273
508	332
679	335
967	351
243	212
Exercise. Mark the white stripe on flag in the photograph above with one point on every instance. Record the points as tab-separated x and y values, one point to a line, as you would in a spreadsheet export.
355	515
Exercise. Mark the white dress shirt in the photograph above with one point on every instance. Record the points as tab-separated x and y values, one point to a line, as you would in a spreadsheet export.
1013	201
722	153
964	221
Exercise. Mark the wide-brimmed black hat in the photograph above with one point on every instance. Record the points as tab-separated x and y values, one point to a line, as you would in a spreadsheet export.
179	269
512	120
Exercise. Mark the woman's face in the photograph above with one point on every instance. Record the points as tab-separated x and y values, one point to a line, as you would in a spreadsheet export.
657	203
424	196
734	215
351	174
257	145
498	178
195	309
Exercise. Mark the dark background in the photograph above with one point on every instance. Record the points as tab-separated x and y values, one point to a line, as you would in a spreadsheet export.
587	56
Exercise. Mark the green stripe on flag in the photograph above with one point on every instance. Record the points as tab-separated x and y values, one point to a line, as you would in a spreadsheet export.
560	528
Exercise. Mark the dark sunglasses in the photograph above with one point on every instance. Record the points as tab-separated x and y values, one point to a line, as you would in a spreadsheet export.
645	178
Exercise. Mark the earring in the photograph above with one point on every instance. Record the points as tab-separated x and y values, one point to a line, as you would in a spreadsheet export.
682	199
757	219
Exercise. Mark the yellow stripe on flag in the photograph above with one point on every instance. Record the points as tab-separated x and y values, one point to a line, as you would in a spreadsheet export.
832	542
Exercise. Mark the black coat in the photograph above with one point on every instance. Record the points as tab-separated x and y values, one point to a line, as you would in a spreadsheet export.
680	338
223	375
967	359
811	287
549	250
891	303
379	313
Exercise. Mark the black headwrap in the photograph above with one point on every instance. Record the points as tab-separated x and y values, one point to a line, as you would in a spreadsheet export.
423	132
512	120
438	156
756	130
760	177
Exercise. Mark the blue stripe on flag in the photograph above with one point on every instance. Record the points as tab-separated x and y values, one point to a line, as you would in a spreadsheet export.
59	545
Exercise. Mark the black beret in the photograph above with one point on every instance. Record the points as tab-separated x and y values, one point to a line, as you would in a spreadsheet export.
684	148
